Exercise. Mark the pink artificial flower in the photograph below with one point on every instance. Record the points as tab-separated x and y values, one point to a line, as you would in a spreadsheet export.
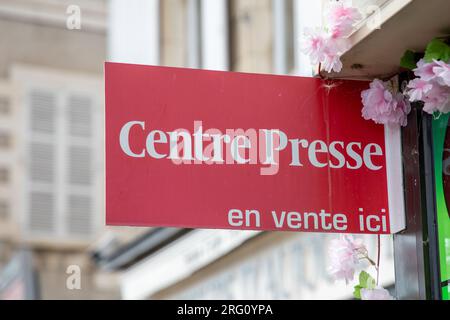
425	71
314	45
383	107
378	293
437	99
342	19
401	109
327	47
418	88
442	71
344	257
332	62
332	54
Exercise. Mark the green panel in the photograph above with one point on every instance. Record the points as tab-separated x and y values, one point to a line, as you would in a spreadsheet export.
442	166
445	293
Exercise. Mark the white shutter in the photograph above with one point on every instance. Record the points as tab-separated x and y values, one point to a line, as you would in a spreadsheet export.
79	163
42	164
43	110
80	116
42	215
62	128
40	153
79	219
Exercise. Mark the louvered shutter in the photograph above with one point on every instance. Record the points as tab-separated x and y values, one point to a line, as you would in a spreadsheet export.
80	142
61	129
41	155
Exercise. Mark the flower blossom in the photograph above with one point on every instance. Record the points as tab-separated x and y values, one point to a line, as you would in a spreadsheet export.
419	88
342	19
377	293
442	71
333	50
314	45
425	71
437	99
344	257
431	86
321	48
327	47
383	106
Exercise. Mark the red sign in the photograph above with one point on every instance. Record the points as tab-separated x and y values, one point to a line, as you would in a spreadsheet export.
210	149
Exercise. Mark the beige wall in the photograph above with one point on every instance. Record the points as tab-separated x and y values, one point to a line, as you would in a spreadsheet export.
50	47
30	40
251	35
173	33
52	266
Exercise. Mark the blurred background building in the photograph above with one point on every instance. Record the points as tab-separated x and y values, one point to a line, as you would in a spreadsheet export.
51	137
52	158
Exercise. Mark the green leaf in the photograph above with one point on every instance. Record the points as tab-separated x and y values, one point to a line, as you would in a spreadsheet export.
437	50
366	281
408	60
357	292
363	277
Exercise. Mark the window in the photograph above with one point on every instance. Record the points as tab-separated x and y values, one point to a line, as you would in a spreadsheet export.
4	106
60	162
4	175
63	171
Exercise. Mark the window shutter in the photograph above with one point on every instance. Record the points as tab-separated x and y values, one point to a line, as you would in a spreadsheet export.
79	219
80	116
80	165
41	216
42	163
80	196
63	180
43	110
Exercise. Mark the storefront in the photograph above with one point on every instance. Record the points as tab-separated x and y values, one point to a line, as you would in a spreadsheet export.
266	265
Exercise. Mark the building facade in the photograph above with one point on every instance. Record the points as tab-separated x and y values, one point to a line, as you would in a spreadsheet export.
51	142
